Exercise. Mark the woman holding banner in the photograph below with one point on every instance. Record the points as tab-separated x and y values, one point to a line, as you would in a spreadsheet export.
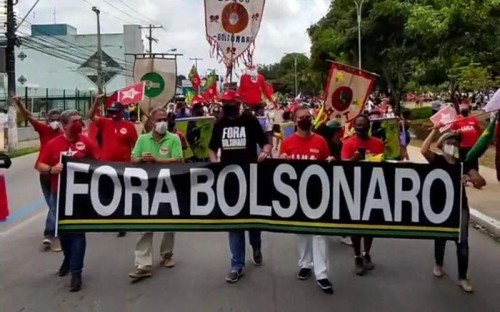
356	148
448	144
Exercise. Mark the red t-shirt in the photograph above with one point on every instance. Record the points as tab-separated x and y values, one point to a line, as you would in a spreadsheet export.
51	155
373	146
45	133
118	139
314	147
469	129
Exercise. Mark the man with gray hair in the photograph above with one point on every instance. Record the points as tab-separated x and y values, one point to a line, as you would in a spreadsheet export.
73	144
47	131
161	147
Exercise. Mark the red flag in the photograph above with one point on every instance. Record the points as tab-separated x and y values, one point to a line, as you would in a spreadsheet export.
111	99
445	116
195	78
132	94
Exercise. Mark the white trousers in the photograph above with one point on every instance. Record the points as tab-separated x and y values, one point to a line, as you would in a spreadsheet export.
144	249
313	253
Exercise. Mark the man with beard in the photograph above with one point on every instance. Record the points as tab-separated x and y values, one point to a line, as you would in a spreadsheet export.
236	136
118	135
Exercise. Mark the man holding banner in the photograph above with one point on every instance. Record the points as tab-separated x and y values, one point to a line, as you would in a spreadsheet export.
237	135
73	144
160	147
305	144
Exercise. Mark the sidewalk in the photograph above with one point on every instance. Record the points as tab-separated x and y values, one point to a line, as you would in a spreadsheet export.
484	203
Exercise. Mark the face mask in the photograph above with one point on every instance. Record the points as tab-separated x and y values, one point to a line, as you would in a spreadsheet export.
231	110
54	125
76	129
304	124
362	132
161	127
464	113
450	150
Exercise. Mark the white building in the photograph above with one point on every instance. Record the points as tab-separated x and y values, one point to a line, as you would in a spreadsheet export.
57	63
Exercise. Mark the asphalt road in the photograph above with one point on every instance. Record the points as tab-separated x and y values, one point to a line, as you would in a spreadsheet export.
402	280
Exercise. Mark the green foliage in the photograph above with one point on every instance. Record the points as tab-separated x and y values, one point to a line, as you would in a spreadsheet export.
421	113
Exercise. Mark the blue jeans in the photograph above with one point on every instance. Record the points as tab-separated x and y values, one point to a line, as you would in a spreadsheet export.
237	247
50	222
73	246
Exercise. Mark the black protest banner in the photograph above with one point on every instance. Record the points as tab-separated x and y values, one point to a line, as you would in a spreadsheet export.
340	198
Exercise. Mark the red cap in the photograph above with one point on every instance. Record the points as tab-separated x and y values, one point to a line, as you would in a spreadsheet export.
230	95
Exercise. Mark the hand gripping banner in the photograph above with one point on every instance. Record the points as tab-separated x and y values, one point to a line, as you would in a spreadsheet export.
346	92
232	27
159	71
338	198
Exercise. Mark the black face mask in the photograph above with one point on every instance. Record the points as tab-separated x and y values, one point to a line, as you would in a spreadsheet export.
362	132
231	110
464	113
304	124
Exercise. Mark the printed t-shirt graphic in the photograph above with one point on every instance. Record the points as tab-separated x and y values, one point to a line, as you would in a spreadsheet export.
373	146
118	138
314	147
60	146
237	138
168	147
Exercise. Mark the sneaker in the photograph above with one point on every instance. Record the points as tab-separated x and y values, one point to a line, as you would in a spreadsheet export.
359	267
46	244
367	262
169	262
304	274
140	274
325	286
438	271
63	270
55	246
121	234
257	257
234	276
466	285
76	283
346	241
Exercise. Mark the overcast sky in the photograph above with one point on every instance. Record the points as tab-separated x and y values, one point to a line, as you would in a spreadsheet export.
283	27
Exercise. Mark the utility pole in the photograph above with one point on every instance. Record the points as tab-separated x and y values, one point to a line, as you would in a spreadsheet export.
195	59
11	74
150	37
359	7
99	51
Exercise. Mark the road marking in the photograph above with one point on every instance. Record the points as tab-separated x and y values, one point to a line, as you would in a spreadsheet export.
25	211
20	225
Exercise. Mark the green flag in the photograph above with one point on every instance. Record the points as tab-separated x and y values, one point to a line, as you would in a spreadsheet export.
483	143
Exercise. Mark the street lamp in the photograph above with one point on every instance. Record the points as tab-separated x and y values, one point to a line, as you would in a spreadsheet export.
295	70
99	51
171	50
359	6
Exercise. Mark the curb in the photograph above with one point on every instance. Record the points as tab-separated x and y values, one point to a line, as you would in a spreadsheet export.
491	225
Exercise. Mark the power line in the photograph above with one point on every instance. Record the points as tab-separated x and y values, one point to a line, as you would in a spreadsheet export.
107	13
135	10
124	12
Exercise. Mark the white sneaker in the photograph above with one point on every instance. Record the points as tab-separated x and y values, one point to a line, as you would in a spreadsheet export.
346	241
46	244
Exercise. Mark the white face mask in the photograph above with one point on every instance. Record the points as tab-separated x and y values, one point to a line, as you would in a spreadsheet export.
161	127
54	125
252	72
450	149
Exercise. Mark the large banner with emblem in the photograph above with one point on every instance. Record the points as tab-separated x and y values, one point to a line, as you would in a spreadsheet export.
345	93
159	71
315	197
232	27
197	131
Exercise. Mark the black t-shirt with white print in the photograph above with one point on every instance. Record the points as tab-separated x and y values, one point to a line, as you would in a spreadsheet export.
238	138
